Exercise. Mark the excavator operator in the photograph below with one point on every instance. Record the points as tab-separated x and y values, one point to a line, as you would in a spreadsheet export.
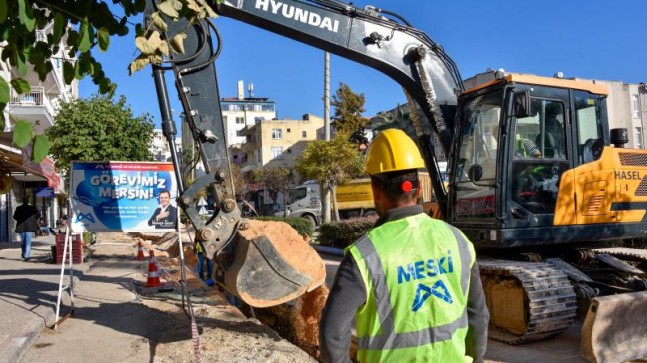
412	282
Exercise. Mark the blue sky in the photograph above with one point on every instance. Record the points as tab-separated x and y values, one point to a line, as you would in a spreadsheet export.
582	38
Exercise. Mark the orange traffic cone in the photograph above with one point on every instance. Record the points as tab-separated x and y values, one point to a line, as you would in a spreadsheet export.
140	252
153	274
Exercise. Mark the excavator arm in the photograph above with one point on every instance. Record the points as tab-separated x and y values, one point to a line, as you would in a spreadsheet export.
367	36
407	55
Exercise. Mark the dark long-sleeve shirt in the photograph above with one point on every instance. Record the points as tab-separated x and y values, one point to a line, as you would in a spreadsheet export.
348	293
169	221
26	217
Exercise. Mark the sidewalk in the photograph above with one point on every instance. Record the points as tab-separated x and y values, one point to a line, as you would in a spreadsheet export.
116	319
28	295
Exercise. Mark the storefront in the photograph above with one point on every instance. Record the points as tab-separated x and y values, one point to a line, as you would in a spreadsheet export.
19	176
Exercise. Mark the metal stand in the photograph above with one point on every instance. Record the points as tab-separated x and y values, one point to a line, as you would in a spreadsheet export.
66	247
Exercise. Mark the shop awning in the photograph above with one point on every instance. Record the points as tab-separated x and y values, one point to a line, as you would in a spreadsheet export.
13	160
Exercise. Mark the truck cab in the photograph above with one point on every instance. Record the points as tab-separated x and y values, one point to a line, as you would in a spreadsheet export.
304	202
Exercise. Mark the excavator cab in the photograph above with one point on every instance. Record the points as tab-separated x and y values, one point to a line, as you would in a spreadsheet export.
515	141
534	180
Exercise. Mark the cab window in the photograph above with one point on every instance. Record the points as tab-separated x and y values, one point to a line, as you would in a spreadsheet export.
540	156
589	109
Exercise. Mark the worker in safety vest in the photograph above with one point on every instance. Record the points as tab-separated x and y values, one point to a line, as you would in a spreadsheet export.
411	283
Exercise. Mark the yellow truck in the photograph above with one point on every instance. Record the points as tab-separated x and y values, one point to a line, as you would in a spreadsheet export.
354	199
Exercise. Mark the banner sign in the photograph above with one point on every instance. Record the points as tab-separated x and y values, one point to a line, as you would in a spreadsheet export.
123	196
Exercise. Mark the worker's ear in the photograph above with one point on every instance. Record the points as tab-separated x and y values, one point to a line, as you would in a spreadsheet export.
377	191
418	191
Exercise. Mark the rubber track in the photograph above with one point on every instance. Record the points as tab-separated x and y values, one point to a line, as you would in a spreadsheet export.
551	304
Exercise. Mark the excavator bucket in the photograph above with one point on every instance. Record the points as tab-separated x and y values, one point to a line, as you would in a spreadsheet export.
615	328
272	264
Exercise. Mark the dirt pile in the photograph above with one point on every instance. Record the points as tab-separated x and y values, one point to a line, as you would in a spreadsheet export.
298	320
292	246
266	254
225	336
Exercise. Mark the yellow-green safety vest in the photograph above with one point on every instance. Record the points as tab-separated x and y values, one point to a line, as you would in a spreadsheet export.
416	271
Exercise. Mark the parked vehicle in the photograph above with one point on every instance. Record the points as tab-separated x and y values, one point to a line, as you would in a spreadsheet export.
354	199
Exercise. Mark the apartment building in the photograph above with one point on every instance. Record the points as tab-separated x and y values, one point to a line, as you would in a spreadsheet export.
237	113
39	181
276	143
160	149
240	112
627	108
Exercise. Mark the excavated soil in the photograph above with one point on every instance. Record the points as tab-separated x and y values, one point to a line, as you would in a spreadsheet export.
284	333
292	246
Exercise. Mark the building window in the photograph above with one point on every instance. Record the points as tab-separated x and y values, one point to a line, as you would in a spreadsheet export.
304	134
277	152
240	120
639	138
288	131
635	106
276	134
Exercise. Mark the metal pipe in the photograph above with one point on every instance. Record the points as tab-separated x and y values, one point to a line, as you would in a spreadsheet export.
168	125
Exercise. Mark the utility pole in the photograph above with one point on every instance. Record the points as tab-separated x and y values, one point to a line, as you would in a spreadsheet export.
324	189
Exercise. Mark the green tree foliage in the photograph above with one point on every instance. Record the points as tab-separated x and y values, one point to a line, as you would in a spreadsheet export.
331	162
35	29
99	129
348	113
275	179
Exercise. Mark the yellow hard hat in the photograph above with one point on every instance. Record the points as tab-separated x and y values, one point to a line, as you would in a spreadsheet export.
392	150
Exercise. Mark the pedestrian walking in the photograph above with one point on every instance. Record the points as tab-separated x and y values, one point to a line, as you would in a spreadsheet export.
412	282
26	217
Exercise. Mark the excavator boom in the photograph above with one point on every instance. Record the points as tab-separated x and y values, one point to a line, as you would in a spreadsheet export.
366	36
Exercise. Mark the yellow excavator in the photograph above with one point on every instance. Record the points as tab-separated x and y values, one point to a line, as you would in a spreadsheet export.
533	178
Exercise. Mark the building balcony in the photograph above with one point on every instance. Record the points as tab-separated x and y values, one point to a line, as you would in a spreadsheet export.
35	107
